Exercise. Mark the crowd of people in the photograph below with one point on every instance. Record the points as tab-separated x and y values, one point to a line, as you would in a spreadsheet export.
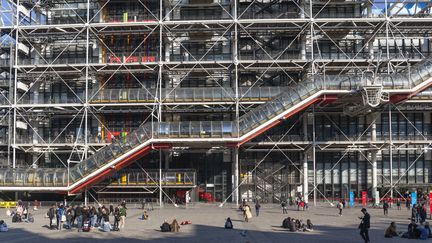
87	218
297	225
415	231
21	213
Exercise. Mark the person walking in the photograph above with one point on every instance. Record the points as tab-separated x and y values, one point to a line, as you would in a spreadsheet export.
257	208
340	207
247	214
398	204
284	207
51	215
385	207
122	216
365	225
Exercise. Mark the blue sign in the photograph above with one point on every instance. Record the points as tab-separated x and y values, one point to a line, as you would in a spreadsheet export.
351	199
413	198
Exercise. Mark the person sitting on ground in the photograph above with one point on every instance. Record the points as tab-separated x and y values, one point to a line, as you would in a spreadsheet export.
144	216
391	231
228	224
298	224
412	230
30	218
3	226
309	225
175	226
427	227
292	226
286	223
423	233
165	227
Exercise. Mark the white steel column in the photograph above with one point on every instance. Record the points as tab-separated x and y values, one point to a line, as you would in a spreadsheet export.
160	80
305	162
390	151
235	177
15	86
373	153
86	105
85	198
160	179
236	62
313	156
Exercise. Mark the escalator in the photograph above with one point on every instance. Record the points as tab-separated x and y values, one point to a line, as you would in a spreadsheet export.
161	135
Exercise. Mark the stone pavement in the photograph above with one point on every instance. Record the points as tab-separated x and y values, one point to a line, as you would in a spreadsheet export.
207	226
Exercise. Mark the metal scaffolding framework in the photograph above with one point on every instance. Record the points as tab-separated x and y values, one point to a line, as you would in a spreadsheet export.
205	77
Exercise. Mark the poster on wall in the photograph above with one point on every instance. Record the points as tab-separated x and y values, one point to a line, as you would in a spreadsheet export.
364	198
413	198
351	199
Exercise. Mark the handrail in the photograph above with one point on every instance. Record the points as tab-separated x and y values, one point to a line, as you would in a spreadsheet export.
254	121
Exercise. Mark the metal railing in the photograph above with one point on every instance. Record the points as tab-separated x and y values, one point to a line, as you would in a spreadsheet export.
150	178
210	129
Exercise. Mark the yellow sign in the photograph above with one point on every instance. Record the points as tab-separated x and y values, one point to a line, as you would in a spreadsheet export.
8	204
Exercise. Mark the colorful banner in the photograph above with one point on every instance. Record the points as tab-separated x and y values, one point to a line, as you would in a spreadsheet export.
351	199
364	198
413	198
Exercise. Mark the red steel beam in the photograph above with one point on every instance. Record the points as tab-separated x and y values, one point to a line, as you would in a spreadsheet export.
397	98
127	161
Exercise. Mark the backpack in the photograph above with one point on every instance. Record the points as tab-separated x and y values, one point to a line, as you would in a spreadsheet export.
15	218
30	219
423	234
86	226
3	227
106	227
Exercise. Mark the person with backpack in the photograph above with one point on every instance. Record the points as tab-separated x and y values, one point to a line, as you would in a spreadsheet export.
51	215
122	216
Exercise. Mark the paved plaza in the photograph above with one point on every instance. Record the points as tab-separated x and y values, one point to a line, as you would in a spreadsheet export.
207	226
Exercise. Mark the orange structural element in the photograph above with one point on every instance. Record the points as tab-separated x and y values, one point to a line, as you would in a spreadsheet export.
111	170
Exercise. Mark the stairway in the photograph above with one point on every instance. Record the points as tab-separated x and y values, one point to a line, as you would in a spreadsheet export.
160	135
